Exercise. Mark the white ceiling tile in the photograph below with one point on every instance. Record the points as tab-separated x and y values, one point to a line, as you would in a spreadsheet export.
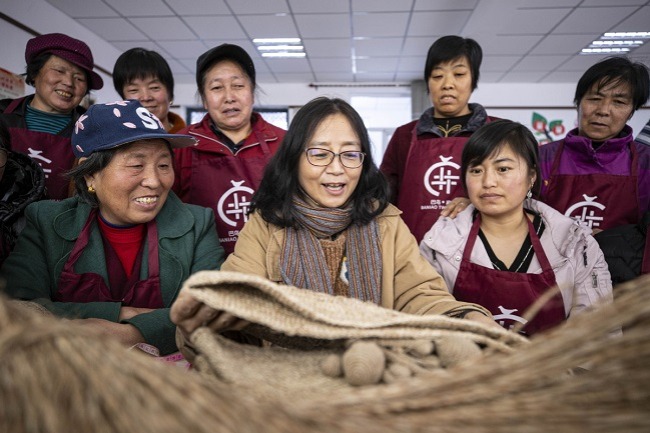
319	6
440	5
418	46
508	44
141	8
539	63
214	27
523	77
437	23
532	21
581	63
180	78
328	47
84	9
324	26
609	2
375	76
178	67
331	65
291	77
498	63
199	7
380	6
549	3
244	7
582	20
563	77
114	29
184	49
639	21
323	76
269	26
374	24
407	77
288	65
164	28
411	64
490	77
127	45
378	47
377	64
562	44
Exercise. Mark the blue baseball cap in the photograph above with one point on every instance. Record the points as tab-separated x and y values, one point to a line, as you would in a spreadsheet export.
106	126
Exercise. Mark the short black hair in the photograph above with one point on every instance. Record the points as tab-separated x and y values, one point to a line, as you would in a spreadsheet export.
37	63
280	184
491	137
451	47
616	70
139	63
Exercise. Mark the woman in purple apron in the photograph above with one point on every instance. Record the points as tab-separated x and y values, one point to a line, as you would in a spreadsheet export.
224	170
507	249
598	174
422	160
115	256
61	70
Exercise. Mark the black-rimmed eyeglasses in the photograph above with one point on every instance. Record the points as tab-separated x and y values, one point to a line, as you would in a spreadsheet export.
323	157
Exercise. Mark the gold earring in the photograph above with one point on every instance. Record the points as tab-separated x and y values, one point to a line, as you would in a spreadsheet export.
91	189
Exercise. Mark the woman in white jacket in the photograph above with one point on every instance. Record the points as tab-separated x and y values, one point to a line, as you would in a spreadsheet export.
506	249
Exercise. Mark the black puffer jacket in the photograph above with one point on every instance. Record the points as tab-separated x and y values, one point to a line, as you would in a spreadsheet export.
623	248
23	183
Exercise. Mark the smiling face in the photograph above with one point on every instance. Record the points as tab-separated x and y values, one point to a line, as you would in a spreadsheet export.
152	94
331	186
133	187
228	97
604	112
498	185
60	86
450	87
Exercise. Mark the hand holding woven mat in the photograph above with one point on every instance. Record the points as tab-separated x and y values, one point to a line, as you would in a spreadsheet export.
314	329
58	377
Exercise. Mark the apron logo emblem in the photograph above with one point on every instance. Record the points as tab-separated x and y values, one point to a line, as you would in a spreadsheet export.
442	176
506	315
585	213
234	204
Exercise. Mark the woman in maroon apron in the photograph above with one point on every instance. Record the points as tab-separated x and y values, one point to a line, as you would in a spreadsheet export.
115	256
235	144
61	70
422	160
598	174
507	249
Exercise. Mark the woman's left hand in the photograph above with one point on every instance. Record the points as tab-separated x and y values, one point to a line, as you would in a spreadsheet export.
481	318
190	314
455	207
125	333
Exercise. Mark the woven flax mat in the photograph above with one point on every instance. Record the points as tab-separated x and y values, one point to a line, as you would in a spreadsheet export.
311	329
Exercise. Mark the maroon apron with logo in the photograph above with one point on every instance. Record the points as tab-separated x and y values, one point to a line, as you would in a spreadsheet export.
505	294
52	152
600	201
226	185
431	180
90	287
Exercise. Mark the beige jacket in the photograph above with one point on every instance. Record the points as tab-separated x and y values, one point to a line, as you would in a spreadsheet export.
409	283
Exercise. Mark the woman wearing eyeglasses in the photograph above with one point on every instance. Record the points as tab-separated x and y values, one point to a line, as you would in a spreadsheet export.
321	221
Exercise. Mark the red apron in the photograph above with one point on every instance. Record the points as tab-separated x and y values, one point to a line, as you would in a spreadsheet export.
52	152
431	180
226	185
90	287
505	293
599	201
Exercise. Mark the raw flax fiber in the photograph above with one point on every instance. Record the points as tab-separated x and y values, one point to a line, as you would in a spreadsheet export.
57	377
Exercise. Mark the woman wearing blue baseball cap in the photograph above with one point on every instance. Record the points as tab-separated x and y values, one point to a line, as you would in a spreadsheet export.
115	255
